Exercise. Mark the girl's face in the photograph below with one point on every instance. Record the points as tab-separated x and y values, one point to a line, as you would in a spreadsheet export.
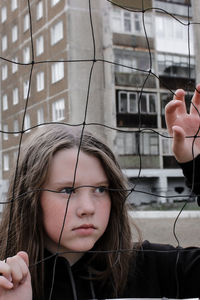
88	208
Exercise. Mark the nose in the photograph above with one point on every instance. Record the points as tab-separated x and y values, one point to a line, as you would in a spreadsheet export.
85	203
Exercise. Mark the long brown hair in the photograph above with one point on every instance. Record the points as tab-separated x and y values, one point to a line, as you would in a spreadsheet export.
25	225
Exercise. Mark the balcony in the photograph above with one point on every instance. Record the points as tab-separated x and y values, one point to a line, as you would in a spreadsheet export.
135	41
135	79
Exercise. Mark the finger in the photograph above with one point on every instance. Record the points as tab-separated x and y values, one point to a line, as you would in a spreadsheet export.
19	269
195	105
180	96
5	270
5	283
24	256
172	111
178	142
24	264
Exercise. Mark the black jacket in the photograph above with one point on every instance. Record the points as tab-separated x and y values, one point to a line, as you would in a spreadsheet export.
160	271
157	270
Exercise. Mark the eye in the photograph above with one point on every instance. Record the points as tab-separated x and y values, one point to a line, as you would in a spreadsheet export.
68	190
101	189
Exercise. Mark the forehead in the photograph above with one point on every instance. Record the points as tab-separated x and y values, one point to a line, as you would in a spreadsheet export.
66	162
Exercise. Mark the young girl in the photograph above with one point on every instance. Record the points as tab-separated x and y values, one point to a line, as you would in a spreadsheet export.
65	233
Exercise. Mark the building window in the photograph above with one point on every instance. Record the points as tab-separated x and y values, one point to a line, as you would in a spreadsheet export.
26	22
39	45
128	103
15	66
6	162
26	89
15	96
5	102
4	72
39	10
40	116
5	134
130	61
14	33
56	33
130	22
26	55
4	43
148	103
3	14
58	110
127	143
16	127
40	81
13	4
57	72
176	65
54	2
27	122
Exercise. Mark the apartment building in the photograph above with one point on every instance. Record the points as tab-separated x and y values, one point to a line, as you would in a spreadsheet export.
70	65
156	42
36	46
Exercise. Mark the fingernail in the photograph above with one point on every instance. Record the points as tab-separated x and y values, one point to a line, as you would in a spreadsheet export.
10	284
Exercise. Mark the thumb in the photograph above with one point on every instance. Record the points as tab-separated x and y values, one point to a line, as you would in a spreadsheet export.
179	147
178	142
178	134
24	256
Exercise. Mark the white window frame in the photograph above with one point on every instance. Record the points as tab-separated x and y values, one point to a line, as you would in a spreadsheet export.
27	122
39	10
15	96
25	89
4	72
40	81
128	102
6	166
14	33
15	66
54	2
16	127
4	43
14	4
40	116
57	32
145	95
26	55
166	146
3	14
26	22
127	22
40	45
5	134
57	72
58	110
5	102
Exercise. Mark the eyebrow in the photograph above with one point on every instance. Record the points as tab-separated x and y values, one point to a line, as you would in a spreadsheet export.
71	183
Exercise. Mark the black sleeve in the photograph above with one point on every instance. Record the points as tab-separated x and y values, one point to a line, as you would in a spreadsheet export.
164	271
191	173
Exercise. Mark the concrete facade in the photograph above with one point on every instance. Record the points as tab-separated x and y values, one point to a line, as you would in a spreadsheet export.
89	46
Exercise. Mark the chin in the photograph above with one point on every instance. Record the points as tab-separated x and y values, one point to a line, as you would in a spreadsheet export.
83	248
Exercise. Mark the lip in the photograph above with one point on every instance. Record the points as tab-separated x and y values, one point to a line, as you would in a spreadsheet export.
85	229
84	226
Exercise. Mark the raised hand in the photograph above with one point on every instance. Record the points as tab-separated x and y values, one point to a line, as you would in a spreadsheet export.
183	126
15	279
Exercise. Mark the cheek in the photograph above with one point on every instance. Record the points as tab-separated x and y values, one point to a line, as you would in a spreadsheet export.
53	217
104	212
